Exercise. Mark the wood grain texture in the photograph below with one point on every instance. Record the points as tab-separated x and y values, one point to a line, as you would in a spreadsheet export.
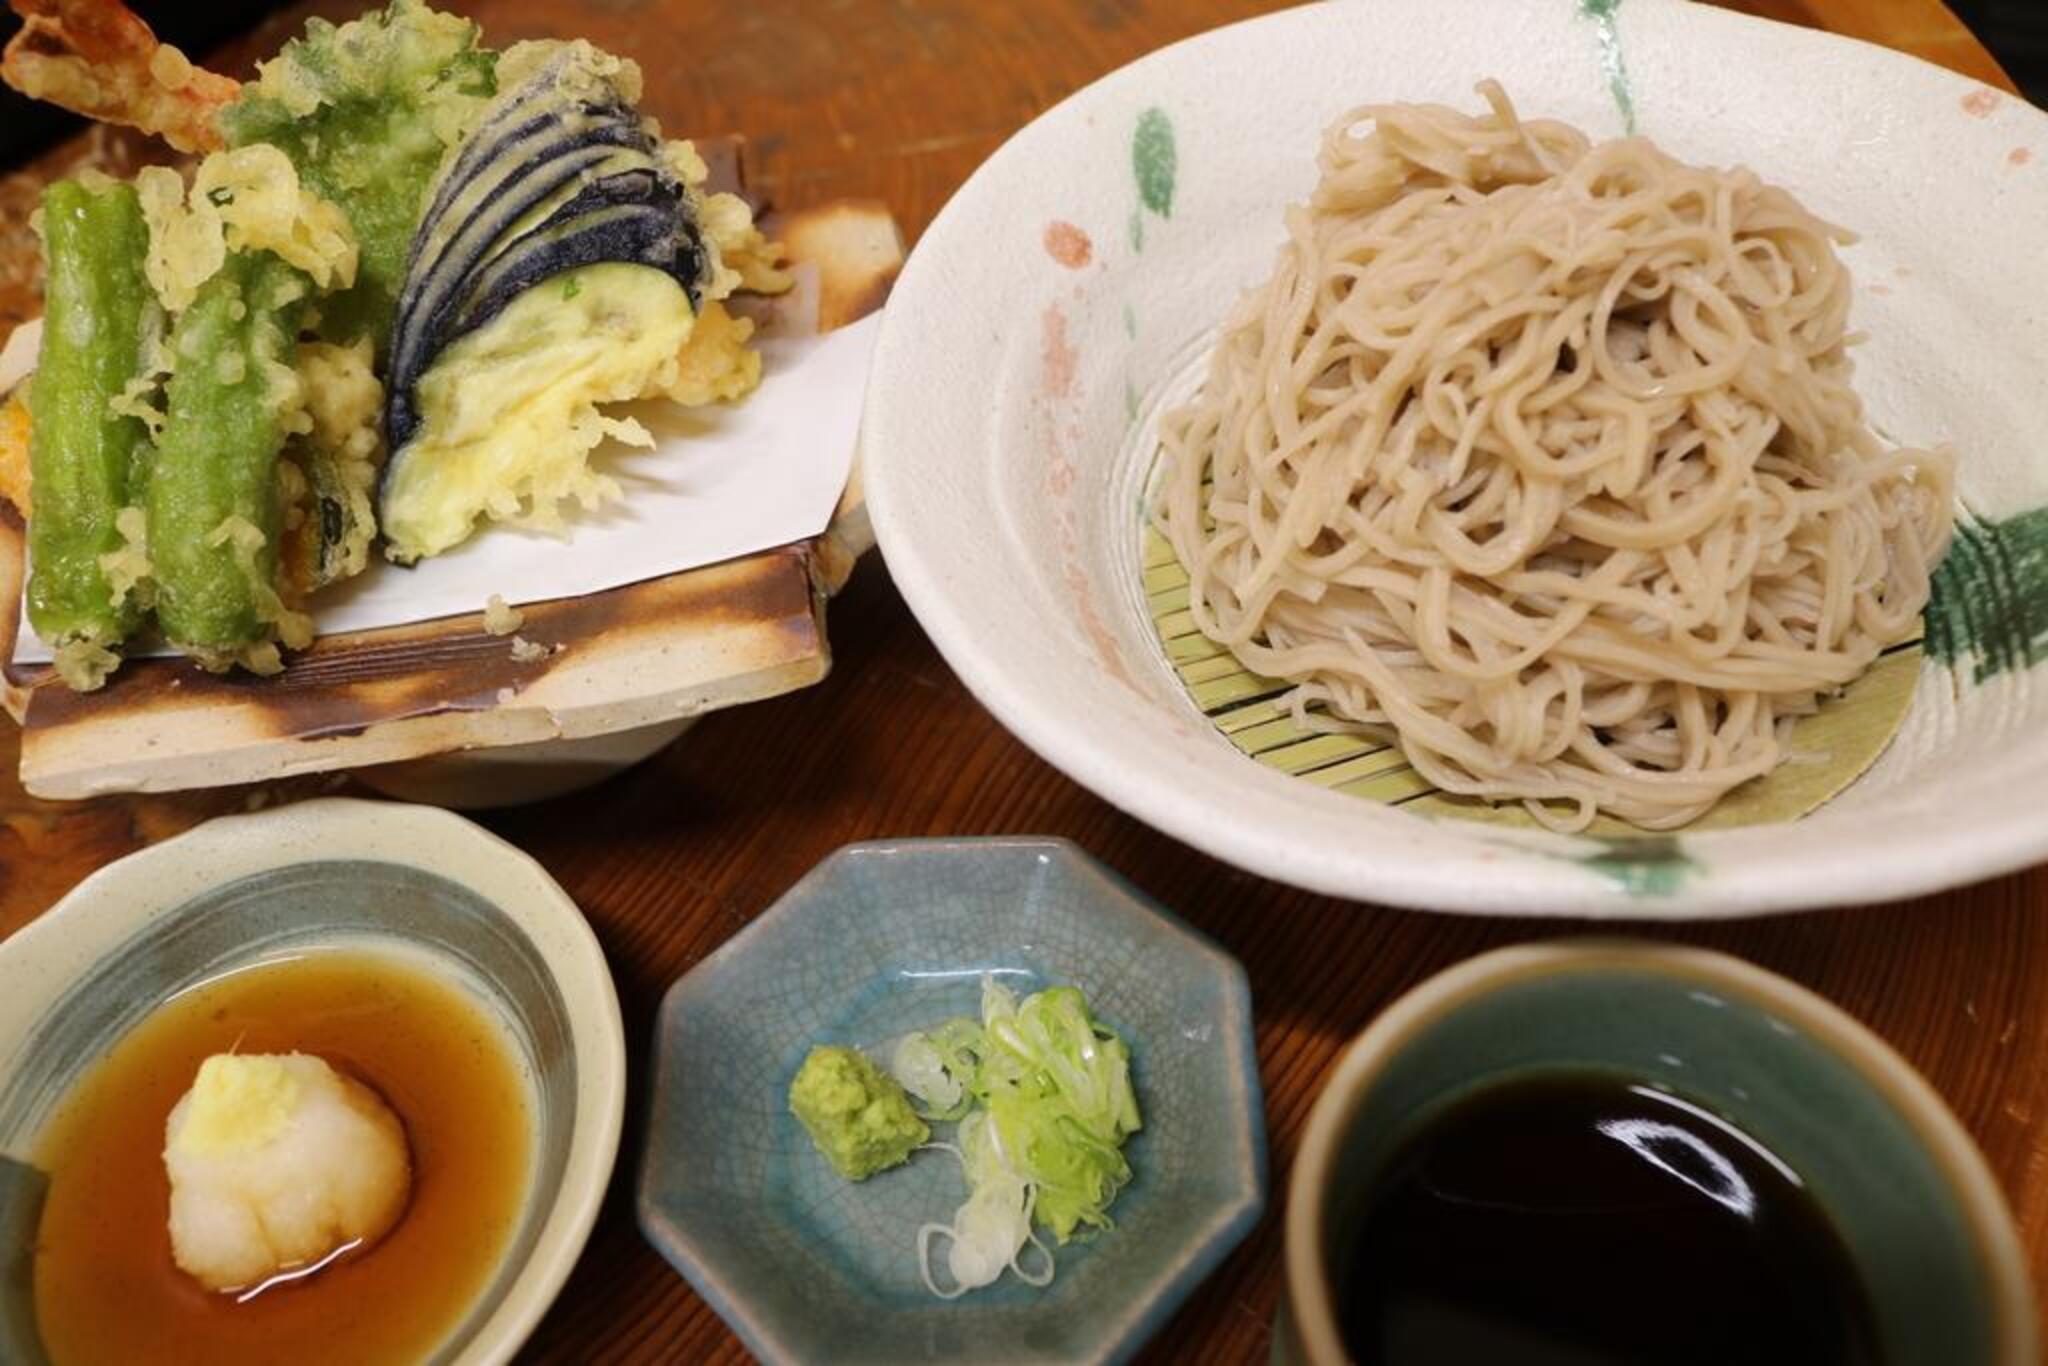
899	100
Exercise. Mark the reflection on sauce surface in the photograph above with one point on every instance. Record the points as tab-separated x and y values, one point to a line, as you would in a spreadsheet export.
1572	1219
106	1289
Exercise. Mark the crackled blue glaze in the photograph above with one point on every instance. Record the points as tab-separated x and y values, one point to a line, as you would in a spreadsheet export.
884	938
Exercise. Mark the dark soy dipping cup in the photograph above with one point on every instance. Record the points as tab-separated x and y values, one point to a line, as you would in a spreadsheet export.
1871	1192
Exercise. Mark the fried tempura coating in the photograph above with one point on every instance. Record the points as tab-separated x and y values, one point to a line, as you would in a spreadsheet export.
97	58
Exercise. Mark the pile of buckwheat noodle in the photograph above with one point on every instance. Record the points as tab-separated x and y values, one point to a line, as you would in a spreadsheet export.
1544	455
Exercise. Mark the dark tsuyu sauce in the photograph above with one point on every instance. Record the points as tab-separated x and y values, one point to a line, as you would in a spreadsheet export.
1575	1219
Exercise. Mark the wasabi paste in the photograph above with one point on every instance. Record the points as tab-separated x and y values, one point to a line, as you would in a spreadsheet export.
1042	1093
857	1114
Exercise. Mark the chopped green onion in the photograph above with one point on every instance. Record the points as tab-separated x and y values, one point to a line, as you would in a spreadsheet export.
1043	1092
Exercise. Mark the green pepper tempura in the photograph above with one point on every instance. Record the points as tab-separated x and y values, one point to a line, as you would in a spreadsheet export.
88	456
213	506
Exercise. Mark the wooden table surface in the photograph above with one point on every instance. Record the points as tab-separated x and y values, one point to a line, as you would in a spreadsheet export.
900	99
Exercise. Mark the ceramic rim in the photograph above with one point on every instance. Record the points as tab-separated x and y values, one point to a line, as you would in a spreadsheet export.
105	908
956	531
1306	1290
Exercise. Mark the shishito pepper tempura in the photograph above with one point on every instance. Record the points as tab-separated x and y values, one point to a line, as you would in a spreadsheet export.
99	311
388	307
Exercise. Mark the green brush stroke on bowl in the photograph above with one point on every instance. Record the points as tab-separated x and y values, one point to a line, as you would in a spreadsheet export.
1990	598
1602	13
1155	161
1642	865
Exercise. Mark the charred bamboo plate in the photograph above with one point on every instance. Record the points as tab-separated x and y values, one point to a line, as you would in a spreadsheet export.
441	709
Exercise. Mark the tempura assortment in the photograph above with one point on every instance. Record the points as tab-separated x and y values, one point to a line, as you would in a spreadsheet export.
386	306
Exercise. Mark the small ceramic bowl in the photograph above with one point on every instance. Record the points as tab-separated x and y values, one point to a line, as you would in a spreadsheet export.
316	875
880	939
1908	1192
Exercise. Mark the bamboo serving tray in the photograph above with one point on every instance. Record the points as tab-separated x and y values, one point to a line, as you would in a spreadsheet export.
645	655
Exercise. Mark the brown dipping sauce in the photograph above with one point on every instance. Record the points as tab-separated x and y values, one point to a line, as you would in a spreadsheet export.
1571	1219
106	1288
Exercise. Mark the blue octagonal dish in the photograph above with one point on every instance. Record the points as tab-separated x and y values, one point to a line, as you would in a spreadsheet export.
881	938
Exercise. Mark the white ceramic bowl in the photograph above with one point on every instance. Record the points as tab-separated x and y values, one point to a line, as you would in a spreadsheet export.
1075	282
413	880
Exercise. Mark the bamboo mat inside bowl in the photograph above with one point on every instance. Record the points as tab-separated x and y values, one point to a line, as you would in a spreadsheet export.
1830	749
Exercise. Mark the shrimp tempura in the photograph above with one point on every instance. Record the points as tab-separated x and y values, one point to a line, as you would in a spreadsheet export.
97	58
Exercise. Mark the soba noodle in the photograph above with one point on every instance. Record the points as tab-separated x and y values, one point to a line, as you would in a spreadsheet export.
1544	456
